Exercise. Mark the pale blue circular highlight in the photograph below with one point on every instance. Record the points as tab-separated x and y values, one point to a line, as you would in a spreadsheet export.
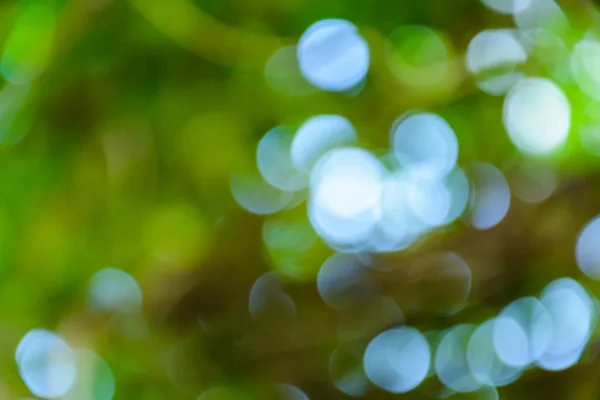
535	321
333	56
482	358
587	249
47	364
274	160
490	198
112	289
398	359
318	135
451	363
425	145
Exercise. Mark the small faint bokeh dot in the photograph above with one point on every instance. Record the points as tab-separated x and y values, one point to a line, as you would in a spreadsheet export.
418	56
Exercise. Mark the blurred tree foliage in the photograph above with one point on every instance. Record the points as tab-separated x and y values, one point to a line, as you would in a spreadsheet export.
119	153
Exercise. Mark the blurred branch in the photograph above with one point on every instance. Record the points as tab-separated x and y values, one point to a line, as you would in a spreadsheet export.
207	37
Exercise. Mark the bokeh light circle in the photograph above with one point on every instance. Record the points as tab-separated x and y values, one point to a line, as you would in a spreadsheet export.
537	116
317	135
418	56
347	372
425	144
283	74
345	192
535	322
572	313
507	6
451	363
114	290
482	358
332	55
47	364
274	160
587	249
492	55
94	381
398	359
343	280
255	195
585	60
490	198
511	342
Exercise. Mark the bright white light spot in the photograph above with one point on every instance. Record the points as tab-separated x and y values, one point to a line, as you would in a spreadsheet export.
289	392
571	310
425	145
343	280
317	136
274	162
451	362
485	365
94	381
507	6
417	56
345	193
112	289
397	360
587	249
347	373
255	195
283	74
536	323
493	54
47	364
348	182
537	116
491	196
333	56
267	295
511	342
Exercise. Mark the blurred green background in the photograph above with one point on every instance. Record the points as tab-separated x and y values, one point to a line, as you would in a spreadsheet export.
122	125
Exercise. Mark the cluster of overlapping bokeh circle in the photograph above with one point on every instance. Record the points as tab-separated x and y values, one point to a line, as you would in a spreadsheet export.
361	201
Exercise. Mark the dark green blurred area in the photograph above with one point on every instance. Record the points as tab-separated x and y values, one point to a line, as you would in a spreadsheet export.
119	152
